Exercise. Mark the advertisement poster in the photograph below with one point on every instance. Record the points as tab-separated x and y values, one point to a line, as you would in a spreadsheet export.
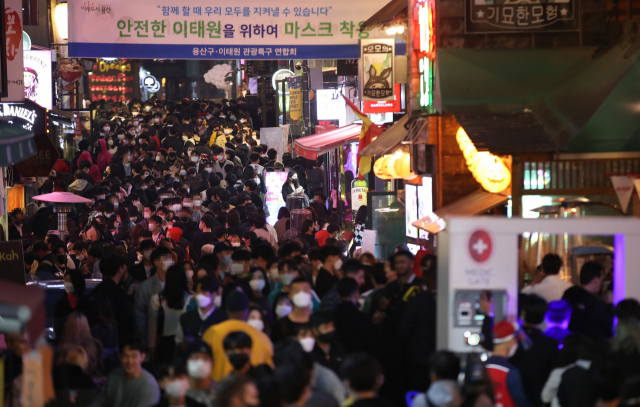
13	35
116	81
37	77
200	29
488	16
411	209
425	202
274	200
295	97
273	137
385	106
376	61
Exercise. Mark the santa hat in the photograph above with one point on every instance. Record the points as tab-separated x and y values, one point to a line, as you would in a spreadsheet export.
504	331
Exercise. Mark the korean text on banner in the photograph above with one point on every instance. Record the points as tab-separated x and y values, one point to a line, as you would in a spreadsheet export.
273	137
13	33
199	29
295	97
376	62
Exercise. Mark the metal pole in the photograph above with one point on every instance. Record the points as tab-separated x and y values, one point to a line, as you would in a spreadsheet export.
338	194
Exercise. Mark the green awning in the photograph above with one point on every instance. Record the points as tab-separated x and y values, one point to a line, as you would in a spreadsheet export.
16	143
530	99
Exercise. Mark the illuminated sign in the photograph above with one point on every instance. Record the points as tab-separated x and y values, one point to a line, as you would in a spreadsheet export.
280	75
114	81
424	46
151	84
37	77
27	117
385	106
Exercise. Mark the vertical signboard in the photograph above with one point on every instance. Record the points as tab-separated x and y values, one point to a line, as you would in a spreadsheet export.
274	200
37	77
295	97
273	137
424	52
13	42
376	62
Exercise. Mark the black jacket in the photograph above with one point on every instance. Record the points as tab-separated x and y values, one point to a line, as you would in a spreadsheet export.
243	152
355	330
324	282
62	308
589	313
139	273
119	304
200	239
193	326
333	360
174	142
418	328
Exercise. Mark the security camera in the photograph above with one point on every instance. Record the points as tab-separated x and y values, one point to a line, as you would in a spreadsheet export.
299	65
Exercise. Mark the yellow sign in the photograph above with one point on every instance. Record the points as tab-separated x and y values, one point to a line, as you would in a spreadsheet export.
295	98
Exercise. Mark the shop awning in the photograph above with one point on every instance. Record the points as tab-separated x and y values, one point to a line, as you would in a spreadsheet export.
395	12
16	143
311	146
537	99
472	204
389	140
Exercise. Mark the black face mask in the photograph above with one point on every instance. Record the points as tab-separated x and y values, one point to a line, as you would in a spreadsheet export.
238	360
172	155
184	219
328	337
62	259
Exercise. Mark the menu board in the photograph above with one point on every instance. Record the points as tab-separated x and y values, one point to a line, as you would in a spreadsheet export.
114	81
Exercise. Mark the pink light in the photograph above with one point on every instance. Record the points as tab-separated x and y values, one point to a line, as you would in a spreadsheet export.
618	268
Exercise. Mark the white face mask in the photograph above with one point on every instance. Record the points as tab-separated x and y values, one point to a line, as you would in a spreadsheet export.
146	254
199	369
166	264
283	310
219	157
176	388
158	158
337	264
257	285
68	287
235	244
307	343
236	269
257	324
275	275
183	172
319	266
203	300
80	257
287	278
120	136
217	301
302	299
208	169
227	131
110	142
194	158
156	120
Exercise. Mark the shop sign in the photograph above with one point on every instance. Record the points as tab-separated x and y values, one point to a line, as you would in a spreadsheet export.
12	261
424	51
489	16
150	84
26	115
385	106
376	62
115	81
278	76
200	29
14	48
295	97
37	78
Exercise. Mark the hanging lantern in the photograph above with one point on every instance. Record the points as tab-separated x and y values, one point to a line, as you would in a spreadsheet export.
378	168
489	170
402	167
389	165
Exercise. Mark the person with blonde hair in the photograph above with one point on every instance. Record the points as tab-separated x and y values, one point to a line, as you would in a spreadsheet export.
76	331
70	380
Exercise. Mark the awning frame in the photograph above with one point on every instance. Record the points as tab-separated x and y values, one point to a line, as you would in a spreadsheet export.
310	147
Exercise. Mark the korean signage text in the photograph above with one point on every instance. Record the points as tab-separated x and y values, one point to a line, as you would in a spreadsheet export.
376	60
13	37
486	16
198	30
115	81
424	51
385	106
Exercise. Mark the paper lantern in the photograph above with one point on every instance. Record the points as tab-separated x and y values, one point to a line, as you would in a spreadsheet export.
378	168
492	174
402	167
389	165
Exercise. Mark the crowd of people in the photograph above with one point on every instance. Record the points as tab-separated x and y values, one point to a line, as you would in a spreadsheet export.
179	293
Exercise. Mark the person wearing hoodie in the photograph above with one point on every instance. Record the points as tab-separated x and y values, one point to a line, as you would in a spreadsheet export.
104	156
443	391
242	150
80	186
92	171
84	153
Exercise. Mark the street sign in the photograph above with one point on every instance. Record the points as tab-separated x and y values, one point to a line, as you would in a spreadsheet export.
40	164
12	261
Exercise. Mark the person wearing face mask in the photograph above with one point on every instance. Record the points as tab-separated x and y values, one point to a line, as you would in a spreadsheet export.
174	141
224	252
237	306
300	296
221	161
199	365
114	269
112	144
74	299
195	322
328	350
292	186
174	380
162	259
506	378
144	269
237	347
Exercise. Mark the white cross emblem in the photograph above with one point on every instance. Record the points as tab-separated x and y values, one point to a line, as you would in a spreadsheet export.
480	246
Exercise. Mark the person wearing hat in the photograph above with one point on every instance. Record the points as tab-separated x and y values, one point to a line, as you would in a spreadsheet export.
237	306
506	378
199	364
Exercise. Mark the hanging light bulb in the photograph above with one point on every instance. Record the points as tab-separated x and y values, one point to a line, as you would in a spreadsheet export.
61	18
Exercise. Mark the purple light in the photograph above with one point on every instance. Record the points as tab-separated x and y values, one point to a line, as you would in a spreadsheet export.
618	268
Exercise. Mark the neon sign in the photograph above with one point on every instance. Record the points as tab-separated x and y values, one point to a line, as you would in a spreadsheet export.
424	46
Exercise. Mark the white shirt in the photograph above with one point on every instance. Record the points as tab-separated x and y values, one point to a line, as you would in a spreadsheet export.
551	288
